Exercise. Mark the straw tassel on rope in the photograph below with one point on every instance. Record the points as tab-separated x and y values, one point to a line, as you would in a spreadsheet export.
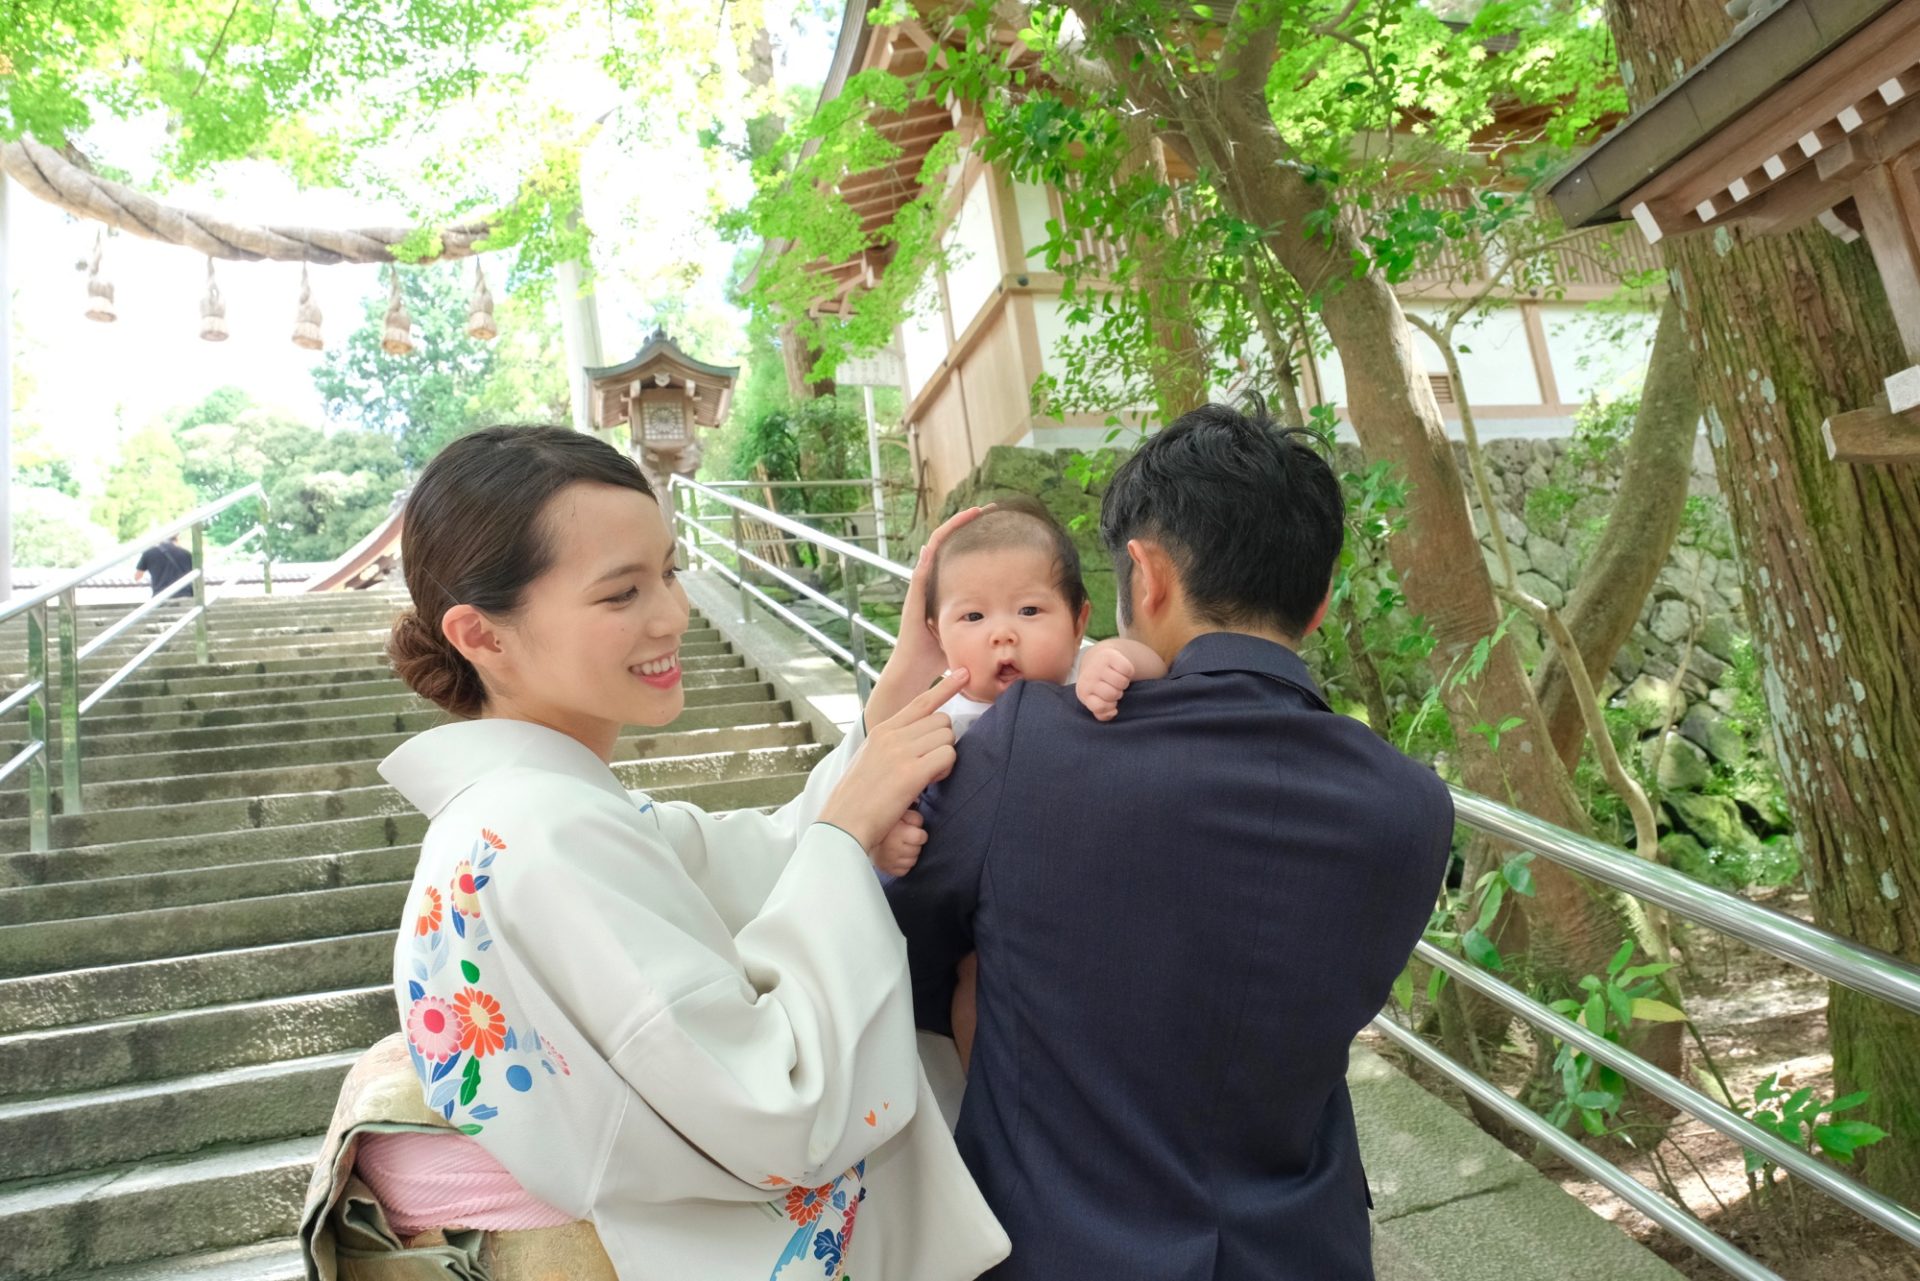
398	337
480	307
213	311
306	317
100	289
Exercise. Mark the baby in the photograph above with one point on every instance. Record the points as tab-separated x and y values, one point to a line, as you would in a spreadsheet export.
1006	601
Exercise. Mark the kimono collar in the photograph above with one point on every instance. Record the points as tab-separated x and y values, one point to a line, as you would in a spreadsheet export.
432	768
1239	652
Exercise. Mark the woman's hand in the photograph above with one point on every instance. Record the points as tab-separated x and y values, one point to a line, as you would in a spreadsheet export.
916	661
901	756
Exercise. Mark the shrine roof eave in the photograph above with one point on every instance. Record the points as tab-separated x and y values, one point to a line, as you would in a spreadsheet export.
1770	48
663	351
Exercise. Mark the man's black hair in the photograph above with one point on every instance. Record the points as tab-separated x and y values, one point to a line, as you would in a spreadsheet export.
1249	512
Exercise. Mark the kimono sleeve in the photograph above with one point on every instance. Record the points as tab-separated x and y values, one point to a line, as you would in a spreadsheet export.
735	858
784	1054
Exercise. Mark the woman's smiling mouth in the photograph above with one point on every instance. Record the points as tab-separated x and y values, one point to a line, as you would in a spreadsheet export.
661	673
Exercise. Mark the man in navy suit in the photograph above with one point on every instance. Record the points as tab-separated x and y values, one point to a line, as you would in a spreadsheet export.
1182	916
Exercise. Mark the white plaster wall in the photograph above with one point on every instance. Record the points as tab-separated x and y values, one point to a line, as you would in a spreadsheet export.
1588	358
923	337
1033	210
973	267
1496	365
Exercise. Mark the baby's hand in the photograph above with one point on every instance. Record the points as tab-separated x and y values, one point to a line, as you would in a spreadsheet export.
1105	673
900	850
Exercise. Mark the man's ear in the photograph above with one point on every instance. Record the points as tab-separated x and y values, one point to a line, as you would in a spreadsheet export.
474	635
1319	615
1154	582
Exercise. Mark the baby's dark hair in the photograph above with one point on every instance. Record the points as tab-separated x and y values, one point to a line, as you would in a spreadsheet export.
1018	521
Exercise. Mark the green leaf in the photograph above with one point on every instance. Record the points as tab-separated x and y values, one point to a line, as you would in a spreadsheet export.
469	1082
1490	906
1403	989
1768	1089
1594	1122
1621	1003
1621	957
1850	1101
1480	949
1633	972
1565	1005
471	1128
1842	1138
1435	981
1596	1099
1518	875
471	971
1595	1015
1646	1009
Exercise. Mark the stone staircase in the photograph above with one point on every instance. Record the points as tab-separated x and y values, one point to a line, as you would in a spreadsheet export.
186	976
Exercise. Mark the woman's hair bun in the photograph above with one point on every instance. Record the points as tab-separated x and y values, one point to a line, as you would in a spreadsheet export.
432	667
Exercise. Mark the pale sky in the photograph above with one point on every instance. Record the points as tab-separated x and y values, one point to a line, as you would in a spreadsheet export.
648	209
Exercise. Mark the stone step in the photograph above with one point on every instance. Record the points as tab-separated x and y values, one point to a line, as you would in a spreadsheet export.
389	697
253	1104
154	763
277	1259
183	1042
274	809
348	667
99	746
236	1196
110	896
375	683
177	853
229	655
47	947
97	995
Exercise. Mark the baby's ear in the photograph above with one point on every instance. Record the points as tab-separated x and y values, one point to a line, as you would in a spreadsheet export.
1086	615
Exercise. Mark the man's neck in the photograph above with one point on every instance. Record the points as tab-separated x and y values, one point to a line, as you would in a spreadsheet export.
1170	642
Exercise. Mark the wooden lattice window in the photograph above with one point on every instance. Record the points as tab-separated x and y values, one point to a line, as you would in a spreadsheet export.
1442	388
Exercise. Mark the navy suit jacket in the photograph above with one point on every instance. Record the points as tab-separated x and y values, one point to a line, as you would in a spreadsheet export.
1182	917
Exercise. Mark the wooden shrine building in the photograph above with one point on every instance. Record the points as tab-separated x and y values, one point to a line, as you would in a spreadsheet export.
1809	113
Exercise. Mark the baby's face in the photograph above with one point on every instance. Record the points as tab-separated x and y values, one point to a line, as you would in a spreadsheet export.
1002	618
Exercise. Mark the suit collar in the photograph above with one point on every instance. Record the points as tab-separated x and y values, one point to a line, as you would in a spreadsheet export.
1239	652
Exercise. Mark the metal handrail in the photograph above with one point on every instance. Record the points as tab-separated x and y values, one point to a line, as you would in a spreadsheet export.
1819	951
198	516
1825	953
48	683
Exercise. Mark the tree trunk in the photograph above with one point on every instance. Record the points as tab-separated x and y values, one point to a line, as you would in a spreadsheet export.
1640	529
1783	332
1568	929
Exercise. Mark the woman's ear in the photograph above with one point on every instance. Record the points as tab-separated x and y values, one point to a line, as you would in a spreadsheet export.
473	635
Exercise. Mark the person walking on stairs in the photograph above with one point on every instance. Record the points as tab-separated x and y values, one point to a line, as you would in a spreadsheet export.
693	1031
166	563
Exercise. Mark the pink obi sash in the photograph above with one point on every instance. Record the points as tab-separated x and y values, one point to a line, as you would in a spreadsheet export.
427	1181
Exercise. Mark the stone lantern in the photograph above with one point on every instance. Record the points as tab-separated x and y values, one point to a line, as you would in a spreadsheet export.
664	397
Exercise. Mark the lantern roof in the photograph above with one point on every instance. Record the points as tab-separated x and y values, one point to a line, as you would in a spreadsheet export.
660	365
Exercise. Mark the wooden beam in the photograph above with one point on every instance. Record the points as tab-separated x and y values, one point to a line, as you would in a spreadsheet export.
1873	436
1887	216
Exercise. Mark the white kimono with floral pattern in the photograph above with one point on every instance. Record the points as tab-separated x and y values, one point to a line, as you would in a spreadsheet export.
693	1030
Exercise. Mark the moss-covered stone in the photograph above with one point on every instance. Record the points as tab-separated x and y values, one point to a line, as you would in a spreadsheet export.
1713	820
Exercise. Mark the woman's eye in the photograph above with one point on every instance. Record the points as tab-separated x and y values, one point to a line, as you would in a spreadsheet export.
624	597
672	572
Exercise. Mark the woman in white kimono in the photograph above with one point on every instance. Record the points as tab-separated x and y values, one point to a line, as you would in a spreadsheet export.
693	1030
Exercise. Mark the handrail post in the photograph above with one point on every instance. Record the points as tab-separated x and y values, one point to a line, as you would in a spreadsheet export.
69	640
39	794
856	636
740	565
266	545
200	592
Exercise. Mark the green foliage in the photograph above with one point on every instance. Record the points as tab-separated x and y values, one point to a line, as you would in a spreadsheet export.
1610	1006
145	487
1797	1117
451	383
52	528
